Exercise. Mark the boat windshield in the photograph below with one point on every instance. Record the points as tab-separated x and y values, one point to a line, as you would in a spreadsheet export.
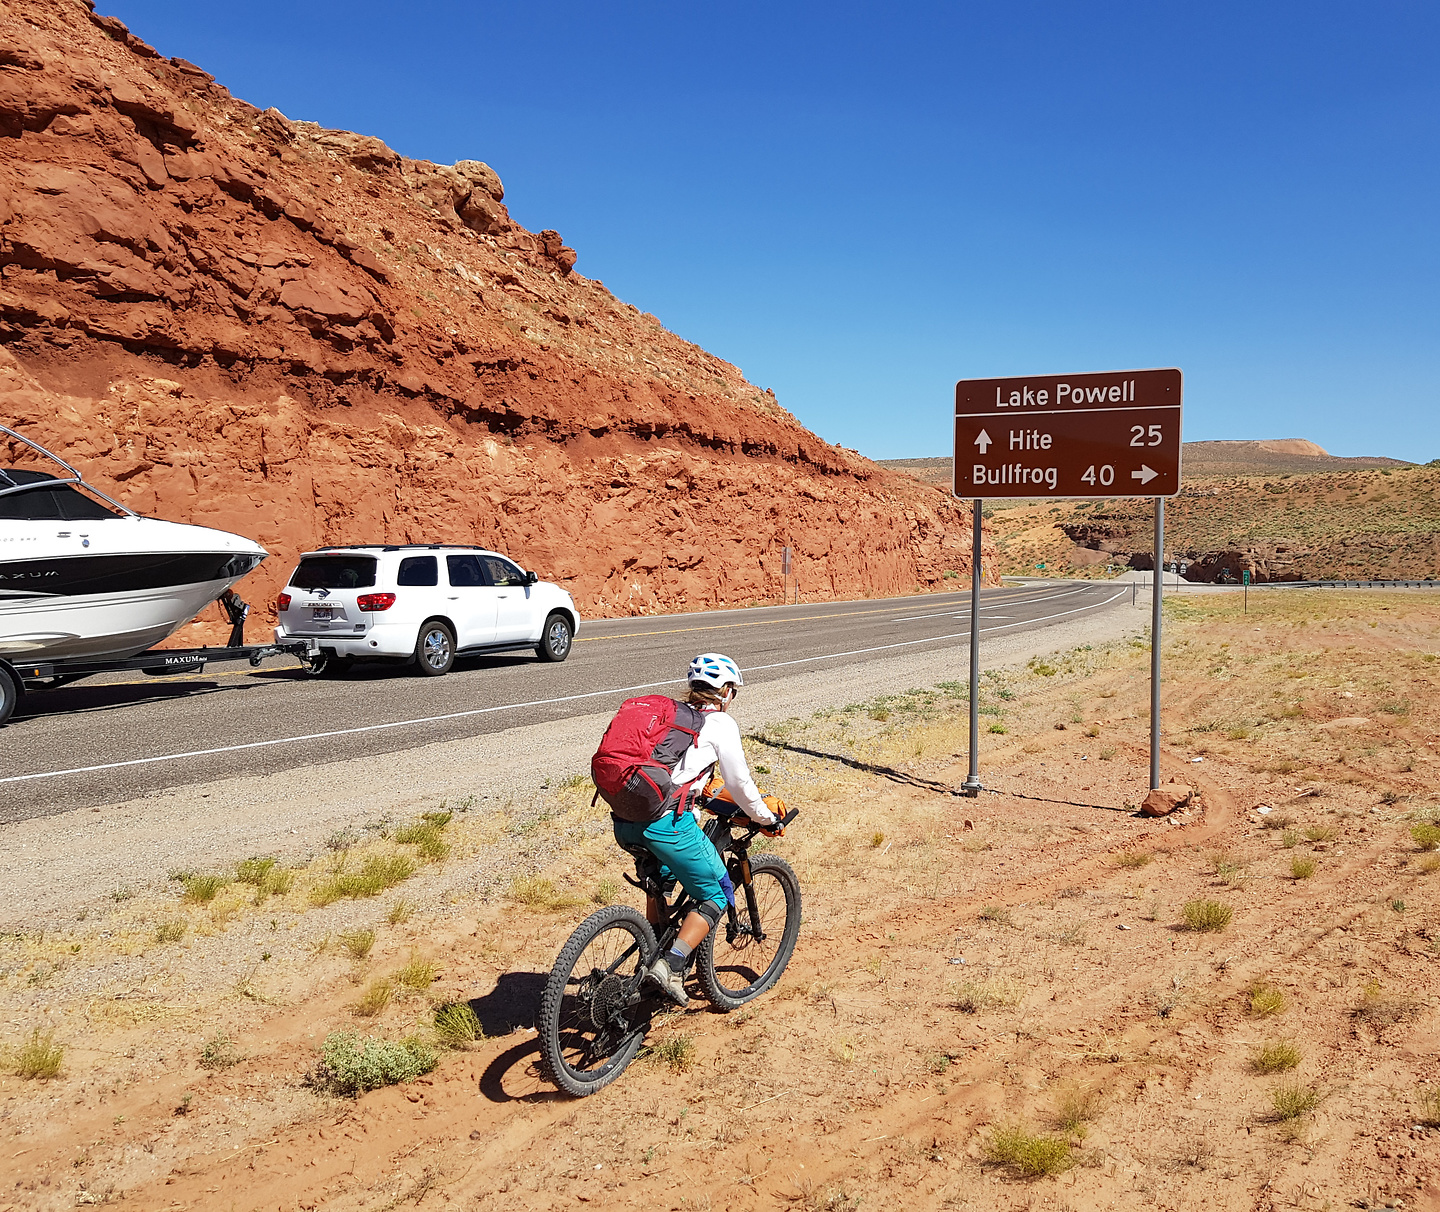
47	500
332	572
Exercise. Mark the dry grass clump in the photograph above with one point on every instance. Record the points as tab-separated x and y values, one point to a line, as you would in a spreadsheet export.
358	942
400	913
1429	1100
537	892
219	1052
605	892
1266	999
38	1058
417	975
202	889
676	1053
266	876
1228	870
971	997
376	997
376	874
1319	833
1204	916
1425	835
1292	1100
172	931
1027	1153
997	914
456	1025
1277	821
426	835
1075	1109
1301	868
1381	1009
1277	1056
1132	860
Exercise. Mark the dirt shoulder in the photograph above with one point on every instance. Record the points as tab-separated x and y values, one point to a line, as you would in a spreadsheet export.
1004	976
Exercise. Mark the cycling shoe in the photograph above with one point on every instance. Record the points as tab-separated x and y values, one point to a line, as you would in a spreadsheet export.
672	984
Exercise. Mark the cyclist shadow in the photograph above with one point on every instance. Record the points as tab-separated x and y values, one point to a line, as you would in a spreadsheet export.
513	1005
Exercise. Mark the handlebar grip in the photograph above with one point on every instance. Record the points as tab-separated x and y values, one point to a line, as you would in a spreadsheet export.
789	816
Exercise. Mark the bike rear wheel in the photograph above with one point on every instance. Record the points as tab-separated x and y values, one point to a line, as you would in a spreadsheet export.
738	962
589	1028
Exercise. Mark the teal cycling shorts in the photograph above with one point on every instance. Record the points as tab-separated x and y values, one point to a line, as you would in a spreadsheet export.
684	853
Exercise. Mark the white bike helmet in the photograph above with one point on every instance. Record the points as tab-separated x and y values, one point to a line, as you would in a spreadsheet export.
715	669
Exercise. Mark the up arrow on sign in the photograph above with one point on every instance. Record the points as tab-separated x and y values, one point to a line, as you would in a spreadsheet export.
1145	474
983	441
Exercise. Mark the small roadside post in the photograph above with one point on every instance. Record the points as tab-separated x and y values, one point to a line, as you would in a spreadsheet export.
785	575
1088	436
1245	578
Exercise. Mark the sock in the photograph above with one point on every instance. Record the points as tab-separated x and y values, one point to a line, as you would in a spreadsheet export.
678	956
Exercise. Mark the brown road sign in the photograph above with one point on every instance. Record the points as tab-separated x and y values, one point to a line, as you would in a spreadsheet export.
1096	435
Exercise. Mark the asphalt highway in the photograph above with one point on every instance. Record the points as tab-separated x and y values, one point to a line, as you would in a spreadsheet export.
109	739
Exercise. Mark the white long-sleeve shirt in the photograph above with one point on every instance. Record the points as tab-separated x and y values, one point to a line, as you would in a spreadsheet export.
719	745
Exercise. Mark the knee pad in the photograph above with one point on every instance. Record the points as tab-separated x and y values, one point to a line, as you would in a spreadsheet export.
727	886
710	911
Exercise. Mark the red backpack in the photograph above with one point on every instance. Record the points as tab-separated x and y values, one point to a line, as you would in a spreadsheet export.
639	752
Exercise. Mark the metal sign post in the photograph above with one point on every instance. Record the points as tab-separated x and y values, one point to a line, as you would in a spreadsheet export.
1155	644
1246	577
972	785
785	575
1090	436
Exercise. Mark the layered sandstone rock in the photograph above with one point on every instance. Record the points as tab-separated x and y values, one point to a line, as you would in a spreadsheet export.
301	335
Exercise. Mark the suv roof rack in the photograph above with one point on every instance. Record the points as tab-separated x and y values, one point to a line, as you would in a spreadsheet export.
406	547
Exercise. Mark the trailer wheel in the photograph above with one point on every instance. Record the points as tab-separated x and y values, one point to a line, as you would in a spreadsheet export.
9	694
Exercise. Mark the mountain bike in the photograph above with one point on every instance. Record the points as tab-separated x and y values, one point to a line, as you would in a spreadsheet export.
598	1004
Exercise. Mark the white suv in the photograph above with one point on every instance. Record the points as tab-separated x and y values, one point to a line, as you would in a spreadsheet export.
425	603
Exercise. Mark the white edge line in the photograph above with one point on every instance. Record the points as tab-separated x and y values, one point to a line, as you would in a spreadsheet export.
569	698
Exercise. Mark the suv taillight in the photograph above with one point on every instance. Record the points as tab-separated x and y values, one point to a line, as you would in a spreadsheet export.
282	602
375	601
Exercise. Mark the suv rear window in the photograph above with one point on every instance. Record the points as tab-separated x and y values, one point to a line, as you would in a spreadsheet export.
418	570
334	572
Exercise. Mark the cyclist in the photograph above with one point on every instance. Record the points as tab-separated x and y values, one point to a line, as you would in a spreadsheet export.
678	842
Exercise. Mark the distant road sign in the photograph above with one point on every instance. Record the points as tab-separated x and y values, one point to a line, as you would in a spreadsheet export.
1115	434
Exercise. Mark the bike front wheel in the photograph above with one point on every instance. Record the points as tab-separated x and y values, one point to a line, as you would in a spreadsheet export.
592	1019
746	952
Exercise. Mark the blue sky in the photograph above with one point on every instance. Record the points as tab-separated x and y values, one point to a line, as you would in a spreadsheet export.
859	204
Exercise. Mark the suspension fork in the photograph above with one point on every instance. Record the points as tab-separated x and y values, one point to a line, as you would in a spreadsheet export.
741	868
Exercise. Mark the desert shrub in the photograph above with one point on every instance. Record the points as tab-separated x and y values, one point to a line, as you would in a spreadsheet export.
376	874
1289	839
997	914
219	1052
38	1058
1277	821
1319	833
400	913
1133	859
1302	868
358	942
1027	1153
1425	835
456	1025
349	1065
1075	1109
605	892
1206	915
1277	1056
1292	1100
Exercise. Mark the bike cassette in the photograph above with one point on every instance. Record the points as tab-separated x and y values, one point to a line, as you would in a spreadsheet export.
608	999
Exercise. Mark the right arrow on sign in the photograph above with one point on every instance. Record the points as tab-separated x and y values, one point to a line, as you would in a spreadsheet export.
983	441
1145	474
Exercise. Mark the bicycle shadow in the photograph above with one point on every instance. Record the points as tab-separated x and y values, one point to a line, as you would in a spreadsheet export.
513	1005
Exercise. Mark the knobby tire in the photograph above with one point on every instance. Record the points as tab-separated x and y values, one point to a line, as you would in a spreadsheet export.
733	967
586	1038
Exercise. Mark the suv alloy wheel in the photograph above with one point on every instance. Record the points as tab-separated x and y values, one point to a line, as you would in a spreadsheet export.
434	649
555	640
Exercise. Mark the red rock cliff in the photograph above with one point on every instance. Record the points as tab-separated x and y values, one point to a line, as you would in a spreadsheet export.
297	334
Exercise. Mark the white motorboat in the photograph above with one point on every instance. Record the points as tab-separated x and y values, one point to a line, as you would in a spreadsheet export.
82	576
